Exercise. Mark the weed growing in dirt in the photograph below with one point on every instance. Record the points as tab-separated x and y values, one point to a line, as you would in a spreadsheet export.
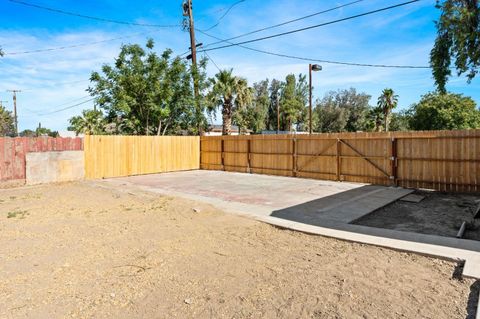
17	213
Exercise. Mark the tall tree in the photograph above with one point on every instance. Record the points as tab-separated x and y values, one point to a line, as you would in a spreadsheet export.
253	115
387	101
275	91
345	110
400	121
301	93
7	127
293	102
444	111
229	92
329	118
144	93
458	39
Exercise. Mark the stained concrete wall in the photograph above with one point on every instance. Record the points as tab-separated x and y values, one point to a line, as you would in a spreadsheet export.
51	167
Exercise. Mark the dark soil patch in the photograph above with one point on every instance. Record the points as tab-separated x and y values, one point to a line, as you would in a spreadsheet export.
438	214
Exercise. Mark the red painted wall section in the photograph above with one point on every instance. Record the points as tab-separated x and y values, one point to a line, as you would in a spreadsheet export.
13	152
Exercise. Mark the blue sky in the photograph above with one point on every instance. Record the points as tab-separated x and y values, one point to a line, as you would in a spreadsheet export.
57	79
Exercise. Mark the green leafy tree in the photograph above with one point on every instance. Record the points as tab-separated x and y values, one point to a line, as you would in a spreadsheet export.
400	121
444	111
387	102
229	92
90	122
144	93
329	118
458	39
254	115
344	110
7	126
275	91
39	131
293	103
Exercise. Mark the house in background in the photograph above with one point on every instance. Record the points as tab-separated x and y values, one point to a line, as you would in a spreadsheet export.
216	130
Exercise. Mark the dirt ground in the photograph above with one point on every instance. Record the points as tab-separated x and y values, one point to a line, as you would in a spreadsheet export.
82	250
438	214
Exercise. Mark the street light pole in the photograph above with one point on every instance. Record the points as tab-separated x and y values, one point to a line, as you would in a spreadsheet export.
311	67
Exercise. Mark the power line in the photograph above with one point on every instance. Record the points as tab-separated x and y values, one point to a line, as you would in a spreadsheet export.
208	56
285	23
74	45
318	60
314	26
68	107
92	17
224	15
63	104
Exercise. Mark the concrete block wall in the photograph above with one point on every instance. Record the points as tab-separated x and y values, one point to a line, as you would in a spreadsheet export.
51	167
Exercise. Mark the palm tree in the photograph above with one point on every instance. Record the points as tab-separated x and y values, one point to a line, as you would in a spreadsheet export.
387	102
90	122
230	92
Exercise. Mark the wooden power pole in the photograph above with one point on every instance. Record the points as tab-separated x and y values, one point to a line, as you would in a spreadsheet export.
15	108
188	12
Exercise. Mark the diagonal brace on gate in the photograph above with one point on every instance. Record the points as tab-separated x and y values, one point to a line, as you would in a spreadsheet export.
314	156
366	159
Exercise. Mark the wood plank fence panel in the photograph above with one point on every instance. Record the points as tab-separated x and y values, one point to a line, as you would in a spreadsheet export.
441	160
116	156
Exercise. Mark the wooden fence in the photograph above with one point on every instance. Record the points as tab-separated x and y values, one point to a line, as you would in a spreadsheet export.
115	156
441	160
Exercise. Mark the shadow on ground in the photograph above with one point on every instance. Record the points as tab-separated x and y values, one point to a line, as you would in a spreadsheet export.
472	305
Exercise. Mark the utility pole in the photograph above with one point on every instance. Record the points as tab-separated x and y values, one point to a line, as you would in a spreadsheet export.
15	108
188	12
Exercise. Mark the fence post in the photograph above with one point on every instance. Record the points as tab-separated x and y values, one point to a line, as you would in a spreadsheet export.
249	168
294	157
223	154
338	159
393	162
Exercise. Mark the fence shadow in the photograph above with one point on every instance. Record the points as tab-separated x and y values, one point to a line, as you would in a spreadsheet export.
472	304
319	212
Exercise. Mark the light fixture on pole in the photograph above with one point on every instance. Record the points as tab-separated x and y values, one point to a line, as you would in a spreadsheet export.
311	67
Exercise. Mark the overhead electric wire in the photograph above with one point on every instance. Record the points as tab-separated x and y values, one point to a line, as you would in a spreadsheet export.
68	107
79	15
74	45
319	60
285	23
224	15
313	26
208	56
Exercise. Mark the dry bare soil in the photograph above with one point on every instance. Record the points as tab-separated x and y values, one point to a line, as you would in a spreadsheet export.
83	250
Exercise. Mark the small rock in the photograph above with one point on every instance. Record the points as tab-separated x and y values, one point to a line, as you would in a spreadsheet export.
188	301
196	210
112	295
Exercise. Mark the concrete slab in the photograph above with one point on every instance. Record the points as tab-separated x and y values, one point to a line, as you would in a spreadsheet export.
412	198
317	207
